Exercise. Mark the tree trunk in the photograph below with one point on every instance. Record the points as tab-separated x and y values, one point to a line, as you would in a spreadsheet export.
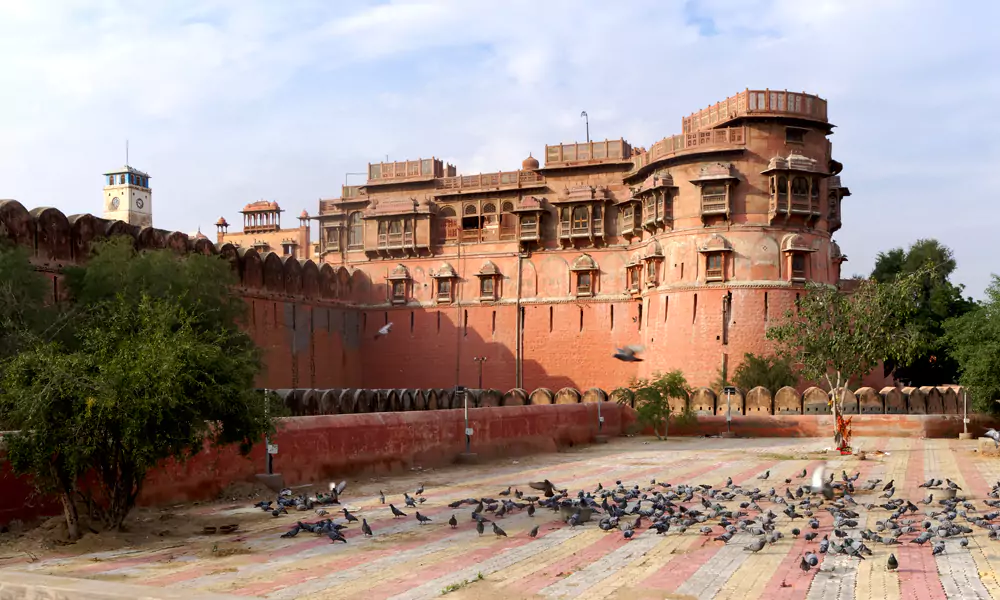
72	518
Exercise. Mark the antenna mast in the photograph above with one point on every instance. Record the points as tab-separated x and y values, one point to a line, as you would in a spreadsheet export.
126	153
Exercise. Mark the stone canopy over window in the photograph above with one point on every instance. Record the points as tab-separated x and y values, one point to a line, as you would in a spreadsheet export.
716	251
653	256
797	250
585	270
399	285
716	181
445	278
633	272
489	281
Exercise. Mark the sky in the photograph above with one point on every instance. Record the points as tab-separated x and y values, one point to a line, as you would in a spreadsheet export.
229	101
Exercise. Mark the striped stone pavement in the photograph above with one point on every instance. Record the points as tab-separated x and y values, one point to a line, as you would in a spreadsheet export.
405	560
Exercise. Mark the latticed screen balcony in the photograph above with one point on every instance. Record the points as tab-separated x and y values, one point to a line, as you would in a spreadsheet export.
713	199
529	228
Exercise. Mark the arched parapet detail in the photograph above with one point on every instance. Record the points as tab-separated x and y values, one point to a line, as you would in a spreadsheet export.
203	246
787	401
469	395
949	398
934	400
567	395
623	396
53	237
311	402
17	225
291	275
382	400
759	401
894	400
515	397
251	268
542	396
490	398
289	399
327	281
357	286
348	401
702	401
150	239
274	273
679	406
116	228
85	229
441	399
329	402
848	401
405	398
344	282
732	402
365	401
594	395
178	242
310	279
815	402
869	401
420	399
916	401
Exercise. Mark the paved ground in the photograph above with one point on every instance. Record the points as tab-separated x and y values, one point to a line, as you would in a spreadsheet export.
406	560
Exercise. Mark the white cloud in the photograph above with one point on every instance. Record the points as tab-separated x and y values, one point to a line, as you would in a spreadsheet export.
225	102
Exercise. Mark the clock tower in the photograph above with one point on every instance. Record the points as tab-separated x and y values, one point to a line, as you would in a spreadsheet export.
127	197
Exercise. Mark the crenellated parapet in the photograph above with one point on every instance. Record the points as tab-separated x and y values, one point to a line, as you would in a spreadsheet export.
54	241
944	400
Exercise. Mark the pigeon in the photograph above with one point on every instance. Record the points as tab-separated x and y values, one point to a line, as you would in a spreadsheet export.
531	510
533	532
366	528
350	518
804	564
422	518
755	546
396	512
420	490
546	486
453	522
627	354
498	532
384	331
938	548
892	564
381	497
994	435
335	536
480	527
765	475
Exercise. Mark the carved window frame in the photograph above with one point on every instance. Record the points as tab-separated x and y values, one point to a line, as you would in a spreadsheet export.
715	266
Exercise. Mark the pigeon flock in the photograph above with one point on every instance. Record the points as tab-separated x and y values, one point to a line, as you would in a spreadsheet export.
716	512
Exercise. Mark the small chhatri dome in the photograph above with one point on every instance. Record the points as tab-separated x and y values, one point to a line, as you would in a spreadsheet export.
529	163
200	235
304	215
222	222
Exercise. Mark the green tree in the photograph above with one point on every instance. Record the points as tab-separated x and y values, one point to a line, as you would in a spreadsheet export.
937	300
652	398
974	342
834	337
157	367
772	372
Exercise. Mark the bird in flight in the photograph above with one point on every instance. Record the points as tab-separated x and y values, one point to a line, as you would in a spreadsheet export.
384	331
628	354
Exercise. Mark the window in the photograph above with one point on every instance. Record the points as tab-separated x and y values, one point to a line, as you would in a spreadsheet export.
288	249
448	224
356	231
486	290
395	232
333	238
633	278
798	266
800	193
713	198
584	285
581	219
399	291
529	227
795	135
444	290
651	278
713	267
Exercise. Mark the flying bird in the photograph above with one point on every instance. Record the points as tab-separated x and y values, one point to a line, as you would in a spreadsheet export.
994	435
628	354
384	331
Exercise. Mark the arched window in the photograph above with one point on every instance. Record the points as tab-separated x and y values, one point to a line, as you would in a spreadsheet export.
782	193
507	207
489	207
356	231
448	224
447	212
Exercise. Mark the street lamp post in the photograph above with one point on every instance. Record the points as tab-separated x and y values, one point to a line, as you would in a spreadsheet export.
465	403
480	360
586	119
267	438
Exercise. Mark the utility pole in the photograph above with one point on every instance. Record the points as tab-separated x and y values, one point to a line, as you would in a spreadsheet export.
586	119
480	360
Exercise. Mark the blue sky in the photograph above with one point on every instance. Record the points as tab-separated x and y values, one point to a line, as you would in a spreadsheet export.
229	101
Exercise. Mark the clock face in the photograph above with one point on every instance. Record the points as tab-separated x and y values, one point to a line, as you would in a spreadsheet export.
114	203
138	202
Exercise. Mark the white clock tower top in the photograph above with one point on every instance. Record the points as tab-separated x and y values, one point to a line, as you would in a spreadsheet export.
127	197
